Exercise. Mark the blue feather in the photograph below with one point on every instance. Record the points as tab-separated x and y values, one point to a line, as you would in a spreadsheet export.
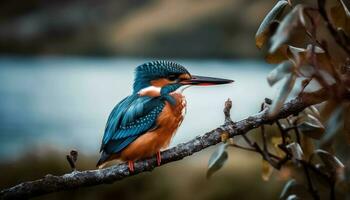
166	90
131	118
117	145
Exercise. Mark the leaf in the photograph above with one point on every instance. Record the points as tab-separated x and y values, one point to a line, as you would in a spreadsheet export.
292	189
296	151
286	27
340	18
333	125
312	110
279	72
266	170
317	49
307	146
217	160
312	127
292	197
268	24
331	162
287	87
231	141
276	141
327	77
261	39
346	6
329	159
314	120
278	56
325	62
299	54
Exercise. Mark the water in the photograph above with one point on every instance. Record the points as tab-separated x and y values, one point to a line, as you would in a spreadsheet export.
63	103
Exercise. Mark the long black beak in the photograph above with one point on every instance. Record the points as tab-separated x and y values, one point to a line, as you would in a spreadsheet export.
204	81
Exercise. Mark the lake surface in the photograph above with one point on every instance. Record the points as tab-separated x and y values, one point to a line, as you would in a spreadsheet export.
63	103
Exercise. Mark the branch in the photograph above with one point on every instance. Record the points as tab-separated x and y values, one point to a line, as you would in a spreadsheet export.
77	179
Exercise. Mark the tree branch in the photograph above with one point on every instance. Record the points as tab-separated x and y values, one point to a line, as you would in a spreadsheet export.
77	179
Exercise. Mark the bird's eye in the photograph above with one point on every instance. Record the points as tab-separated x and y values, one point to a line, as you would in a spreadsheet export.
172	77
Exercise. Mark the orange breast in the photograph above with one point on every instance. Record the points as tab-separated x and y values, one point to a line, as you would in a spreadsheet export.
153	141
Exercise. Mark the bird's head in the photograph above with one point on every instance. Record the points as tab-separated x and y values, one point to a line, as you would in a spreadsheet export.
165	77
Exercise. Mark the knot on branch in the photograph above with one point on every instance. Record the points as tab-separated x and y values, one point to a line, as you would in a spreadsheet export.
72	159
227	109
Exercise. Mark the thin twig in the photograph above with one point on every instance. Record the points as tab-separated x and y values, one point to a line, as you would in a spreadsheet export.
312	189
227	108
263	135
282	131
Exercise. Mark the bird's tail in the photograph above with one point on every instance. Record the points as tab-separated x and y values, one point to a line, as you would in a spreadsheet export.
103	160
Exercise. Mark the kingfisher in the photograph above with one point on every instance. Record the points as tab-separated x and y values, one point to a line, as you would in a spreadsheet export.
143	124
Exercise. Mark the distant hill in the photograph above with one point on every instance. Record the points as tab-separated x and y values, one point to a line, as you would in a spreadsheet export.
149	28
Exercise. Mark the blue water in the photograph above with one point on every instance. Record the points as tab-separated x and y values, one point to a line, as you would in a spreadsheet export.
63	103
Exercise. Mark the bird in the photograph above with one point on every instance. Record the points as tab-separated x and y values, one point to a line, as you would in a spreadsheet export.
143	123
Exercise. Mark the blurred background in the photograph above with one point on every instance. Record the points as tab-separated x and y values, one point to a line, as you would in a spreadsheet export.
65	64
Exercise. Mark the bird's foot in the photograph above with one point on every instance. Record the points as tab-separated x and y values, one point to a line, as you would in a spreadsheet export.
131	166
159	158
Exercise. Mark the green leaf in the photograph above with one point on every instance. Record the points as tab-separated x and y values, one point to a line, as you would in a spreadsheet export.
289	23
265	28
287	87
312	127
279	72
217	159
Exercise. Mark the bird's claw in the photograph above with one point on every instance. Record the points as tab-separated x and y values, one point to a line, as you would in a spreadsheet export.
131	166
159	158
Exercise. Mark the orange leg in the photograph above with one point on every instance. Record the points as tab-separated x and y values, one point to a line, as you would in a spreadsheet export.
159	158
131	166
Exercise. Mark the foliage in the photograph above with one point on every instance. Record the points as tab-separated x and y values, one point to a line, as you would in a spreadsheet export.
310	44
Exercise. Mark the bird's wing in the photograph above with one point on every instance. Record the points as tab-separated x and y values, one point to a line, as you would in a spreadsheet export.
132	117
